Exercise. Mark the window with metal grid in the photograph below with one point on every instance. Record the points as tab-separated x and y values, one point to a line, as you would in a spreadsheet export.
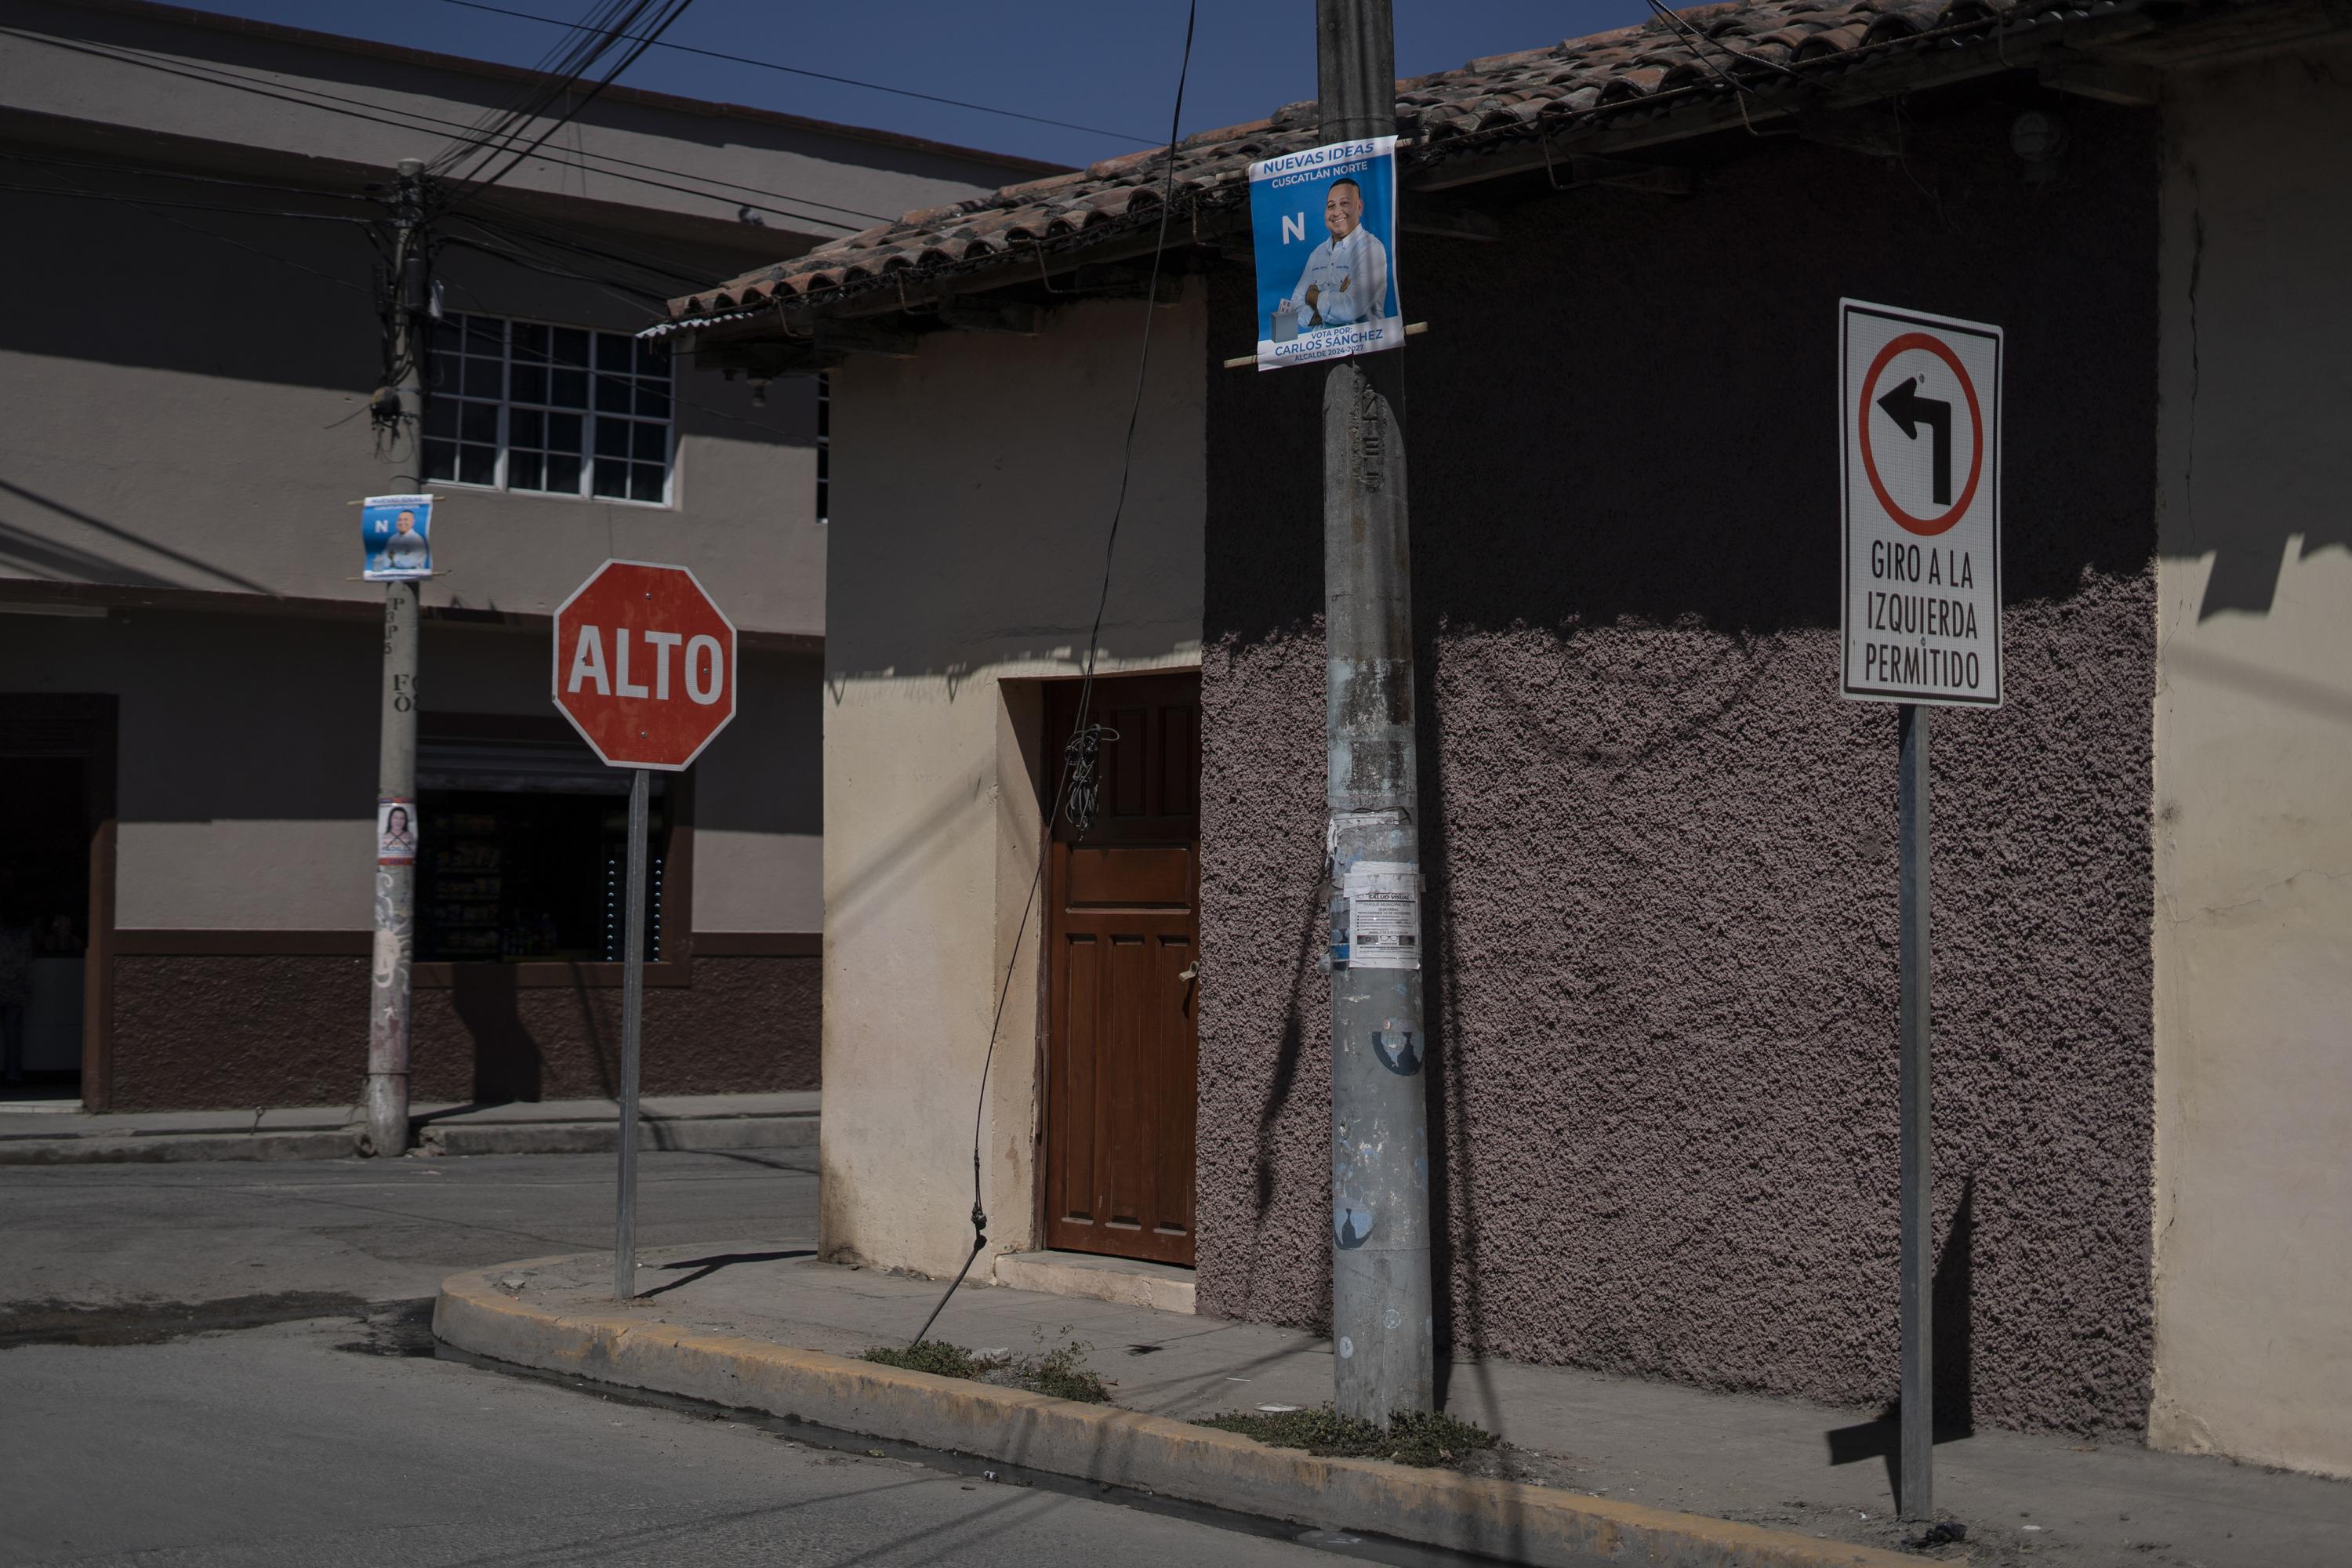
526	406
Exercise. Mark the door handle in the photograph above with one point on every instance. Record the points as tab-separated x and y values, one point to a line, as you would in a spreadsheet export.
1192	971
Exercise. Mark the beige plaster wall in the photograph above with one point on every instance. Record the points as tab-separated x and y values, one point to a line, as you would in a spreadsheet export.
2253	770
68	57
248	753
972	486
144	454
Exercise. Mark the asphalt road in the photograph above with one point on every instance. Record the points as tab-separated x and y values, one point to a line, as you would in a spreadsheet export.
191	1374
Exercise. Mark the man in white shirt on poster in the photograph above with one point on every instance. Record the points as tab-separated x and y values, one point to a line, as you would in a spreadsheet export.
1347	278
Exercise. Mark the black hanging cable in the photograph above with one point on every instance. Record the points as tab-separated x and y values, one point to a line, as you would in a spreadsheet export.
155	171
635	296
149	209
152	202
589	243
568	59
827	76
1076	788
677	8
1700	41
581	47
357	108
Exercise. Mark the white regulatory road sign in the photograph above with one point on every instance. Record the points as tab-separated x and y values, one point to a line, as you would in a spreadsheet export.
1920	443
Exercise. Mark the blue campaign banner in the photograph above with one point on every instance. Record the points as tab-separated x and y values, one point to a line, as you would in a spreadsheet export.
1325	224
397	534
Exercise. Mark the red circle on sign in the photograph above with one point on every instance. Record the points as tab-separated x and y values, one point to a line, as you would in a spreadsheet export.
645	665
1925	526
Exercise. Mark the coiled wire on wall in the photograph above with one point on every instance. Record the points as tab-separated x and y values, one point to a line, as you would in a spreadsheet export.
1078	789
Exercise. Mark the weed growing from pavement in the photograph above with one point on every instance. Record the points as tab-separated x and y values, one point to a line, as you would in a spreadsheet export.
935	1356
1411	1437
1061	1371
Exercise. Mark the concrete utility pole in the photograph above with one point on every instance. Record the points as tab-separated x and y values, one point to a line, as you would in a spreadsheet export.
396	885
1382	1330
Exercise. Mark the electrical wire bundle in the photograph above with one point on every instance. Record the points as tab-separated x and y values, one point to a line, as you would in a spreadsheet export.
603	37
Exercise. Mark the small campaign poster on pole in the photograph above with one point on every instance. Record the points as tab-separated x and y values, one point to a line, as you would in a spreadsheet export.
1324	222
397	535
396	831
1919	421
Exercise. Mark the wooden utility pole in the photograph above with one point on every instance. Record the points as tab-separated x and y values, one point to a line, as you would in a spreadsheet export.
1382	1333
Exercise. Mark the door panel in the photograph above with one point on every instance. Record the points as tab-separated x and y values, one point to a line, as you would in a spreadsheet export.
1121	1028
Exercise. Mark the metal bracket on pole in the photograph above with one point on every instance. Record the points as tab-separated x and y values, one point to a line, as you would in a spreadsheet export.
633	998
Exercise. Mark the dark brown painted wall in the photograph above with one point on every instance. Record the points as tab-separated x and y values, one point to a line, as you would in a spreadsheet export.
1660	847
227	1032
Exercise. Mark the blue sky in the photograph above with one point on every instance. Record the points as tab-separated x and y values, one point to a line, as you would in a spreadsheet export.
1110	66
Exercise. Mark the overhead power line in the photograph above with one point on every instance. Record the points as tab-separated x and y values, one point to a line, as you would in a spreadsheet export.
76	193
671	10
827	76
147	207
161	173
566	56
359	110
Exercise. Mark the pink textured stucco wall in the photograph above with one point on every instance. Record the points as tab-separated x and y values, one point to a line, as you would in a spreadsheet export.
1661	848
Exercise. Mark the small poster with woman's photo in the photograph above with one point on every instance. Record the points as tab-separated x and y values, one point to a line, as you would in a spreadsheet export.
395	832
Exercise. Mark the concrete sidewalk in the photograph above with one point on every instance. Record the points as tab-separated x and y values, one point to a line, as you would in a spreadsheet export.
36	1133
729	1320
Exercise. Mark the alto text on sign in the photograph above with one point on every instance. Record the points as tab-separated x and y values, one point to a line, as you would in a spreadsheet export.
645	665
1919	416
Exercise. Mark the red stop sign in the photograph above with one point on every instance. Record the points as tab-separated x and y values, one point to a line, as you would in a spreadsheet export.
645	665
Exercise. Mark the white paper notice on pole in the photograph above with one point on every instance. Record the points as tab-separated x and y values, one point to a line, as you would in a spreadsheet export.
1324	228
1383	914
1919	423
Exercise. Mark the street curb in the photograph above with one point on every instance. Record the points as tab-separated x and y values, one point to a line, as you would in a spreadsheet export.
1514	1521
713	1134
169	1149
700	1135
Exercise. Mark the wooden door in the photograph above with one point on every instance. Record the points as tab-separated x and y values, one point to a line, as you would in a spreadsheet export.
1124	927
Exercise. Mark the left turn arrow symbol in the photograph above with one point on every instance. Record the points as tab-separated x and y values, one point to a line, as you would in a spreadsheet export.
1909	410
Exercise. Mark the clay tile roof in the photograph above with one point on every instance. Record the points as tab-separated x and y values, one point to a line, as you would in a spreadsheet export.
1547	89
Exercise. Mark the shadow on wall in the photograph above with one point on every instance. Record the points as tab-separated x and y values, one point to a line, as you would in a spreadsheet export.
508	1063
1660	847
988	530
2249	480
33	549
2248	564
1951	1299
2313	698
767	774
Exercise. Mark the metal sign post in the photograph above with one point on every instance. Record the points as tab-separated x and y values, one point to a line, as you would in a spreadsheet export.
1919	422
632	999
645	669
1918	1499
